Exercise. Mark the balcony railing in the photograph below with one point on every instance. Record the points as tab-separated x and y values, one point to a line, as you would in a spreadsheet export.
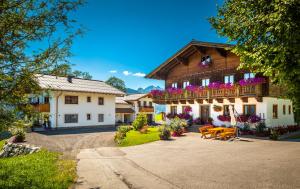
41	107
146	109
237	91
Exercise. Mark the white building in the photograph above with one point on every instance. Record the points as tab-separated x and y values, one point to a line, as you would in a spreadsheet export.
73	102
128	107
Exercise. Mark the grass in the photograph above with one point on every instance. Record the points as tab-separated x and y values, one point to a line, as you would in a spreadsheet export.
2	142
43	169
135	137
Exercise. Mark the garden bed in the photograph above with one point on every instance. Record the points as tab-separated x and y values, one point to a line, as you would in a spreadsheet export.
136	137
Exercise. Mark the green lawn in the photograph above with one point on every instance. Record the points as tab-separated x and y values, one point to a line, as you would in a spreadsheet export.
1	144
136	138
43	169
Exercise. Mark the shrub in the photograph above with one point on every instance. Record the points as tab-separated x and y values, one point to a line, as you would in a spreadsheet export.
165	133
260	127
274	134
121	133
139	122
176	125
19	136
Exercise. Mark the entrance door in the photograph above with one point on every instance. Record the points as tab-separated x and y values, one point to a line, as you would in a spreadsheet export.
204	113
149	118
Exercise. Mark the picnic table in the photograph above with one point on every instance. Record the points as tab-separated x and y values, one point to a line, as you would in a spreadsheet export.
214	131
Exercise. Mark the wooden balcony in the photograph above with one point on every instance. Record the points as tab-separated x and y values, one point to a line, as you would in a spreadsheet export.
235	92
146	109
41	107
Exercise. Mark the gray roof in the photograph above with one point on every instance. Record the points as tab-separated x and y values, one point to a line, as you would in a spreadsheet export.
120	100
134	97
77	85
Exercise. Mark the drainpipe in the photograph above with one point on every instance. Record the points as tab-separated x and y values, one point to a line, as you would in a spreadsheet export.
56	111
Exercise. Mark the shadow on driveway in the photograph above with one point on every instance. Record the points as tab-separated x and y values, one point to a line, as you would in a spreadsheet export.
70	131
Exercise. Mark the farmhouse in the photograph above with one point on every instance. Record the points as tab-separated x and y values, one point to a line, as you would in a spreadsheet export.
128	107
204	77
73	102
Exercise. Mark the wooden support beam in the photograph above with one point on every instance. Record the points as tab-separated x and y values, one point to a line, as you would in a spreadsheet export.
200	101
210	101
182	101
200	50
219	100
231	100
191	101
259	99
244	99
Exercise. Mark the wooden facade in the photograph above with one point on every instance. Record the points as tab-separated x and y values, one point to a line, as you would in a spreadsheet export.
185	66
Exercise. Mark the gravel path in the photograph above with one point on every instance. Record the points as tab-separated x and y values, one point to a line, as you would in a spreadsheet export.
69	142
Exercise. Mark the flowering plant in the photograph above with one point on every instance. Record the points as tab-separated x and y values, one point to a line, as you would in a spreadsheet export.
192	88
227	86
174	91
215	85
184	116
224	118
205	62
157	92
187	109
252	81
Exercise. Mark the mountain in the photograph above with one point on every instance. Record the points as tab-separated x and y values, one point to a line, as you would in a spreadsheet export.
142	90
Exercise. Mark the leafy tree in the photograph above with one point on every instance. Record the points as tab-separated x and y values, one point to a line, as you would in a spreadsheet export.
65	69
83	75
267	36
117	83
35	35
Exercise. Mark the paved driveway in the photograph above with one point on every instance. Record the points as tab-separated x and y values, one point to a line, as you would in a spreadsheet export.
192	162
70	141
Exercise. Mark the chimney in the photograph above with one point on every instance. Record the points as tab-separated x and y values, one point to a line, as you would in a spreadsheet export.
70	77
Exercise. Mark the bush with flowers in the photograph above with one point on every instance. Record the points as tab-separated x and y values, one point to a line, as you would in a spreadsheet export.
177	125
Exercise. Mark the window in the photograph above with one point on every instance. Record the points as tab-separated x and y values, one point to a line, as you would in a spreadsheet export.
283	109
290	109
249	110
275	111
100	101
100	117
139	103
174	85
226	110
229	79
173	110
249	75
185	84
88	99
205	82
46	100
145	103
71	118
88	116
150	104
71	99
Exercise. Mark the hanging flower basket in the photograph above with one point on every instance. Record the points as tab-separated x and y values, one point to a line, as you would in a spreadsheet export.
217	108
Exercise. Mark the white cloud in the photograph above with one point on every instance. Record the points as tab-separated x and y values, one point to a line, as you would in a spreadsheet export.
139	74
113	71
126	73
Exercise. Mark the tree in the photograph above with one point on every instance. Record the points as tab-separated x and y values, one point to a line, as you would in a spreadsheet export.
267	36
34	36
63	70
117	83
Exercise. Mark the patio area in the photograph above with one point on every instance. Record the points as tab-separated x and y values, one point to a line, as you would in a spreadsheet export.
192	162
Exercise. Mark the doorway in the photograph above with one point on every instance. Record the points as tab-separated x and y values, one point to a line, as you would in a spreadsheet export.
204	113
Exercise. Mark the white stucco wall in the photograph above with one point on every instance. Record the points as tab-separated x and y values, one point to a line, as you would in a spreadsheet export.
263	109
82	109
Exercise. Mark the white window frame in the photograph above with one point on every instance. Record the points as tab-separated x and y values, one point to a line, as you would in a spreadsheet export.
185	84
174	85
249	75
205	82
228	79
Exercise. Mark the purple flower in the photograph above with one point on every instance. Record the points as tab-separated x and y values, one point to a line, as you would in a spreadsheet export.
156	93
214	85
252	81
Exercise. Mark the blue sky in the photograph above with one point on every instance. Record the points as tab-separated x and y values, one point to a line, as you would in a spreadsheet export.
130	38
